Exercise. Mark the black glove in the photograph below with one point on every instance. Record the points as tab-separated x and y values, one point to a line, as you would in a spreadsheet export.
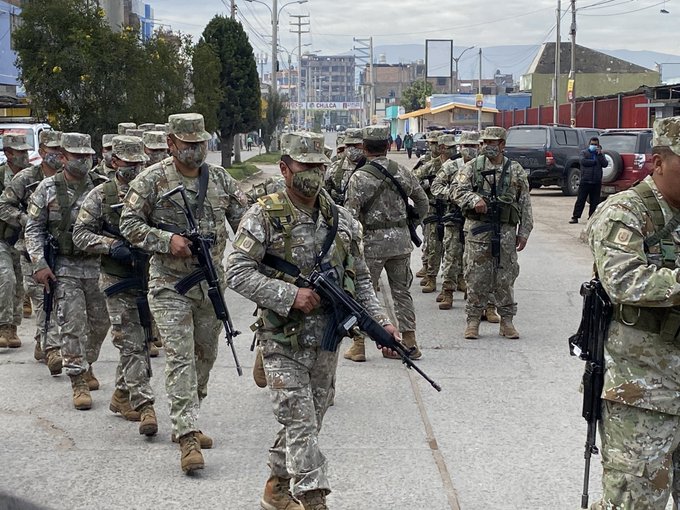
120	252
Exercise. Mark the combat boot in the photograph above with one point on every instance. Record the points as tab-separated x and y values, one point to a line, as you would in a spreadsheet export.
54	361
120	403
38	353
408	338
206	442
472	328
28	307
508	329
430	284
91	380
14	340
422	272
357	351
153	350
259	376
5	335
461	284
491	315
191	457
277	495
314	500
148	425
447	301
81	393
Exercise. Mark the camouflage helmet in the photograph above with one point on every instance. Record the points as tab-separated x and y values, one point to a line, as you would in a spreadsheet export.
188	127
353	136
76	143
376	133
107	140
50	138
15	141
155	140
448	140
134	132
433	136
160	127
494	133
667	134
122	126
469	138
129	149
304	147
147	126
340	140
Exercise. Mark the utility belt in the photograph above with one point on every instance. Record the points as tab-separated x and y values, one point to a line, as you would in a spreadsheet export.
664	322
378	225
509	214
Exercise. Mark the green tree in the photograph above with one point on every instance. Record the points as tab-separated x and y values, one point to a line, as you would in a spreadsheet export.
415	97
207	93
239	105
275	111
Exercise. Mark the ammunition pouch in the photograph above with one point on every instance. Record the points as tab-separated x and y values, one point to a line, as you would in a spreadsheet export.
664	322
509	214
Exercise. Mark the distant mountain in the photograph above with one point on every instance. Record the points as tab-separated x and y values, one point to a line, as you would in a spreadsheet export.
516	59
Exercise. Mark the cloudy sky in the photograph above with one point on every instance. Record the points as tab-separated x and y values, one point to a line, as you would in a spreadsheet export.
604	24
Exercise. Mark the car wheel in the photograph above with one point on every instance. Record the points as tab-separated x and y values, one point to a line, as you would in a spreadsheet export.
570	187
614	167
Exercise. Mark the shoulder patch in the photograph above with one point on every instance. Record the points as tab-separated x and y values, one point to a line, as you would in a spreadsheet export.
247	244
133	199
33	211
621	235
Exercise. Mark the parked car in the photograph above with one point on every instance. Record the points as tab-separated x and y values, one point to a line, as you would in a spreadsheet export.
629	153
549	154
420	146
29	128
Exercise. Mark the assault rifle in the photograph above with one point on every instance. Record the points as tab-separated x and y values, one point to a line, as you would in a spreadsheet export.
200	248
438	218
494	212
588	345
50	252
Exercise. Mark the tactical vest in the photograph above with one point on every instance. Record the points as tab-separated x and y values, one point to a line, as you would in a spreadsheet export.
392	168
111	218
282	217
63	229
8	233
509	209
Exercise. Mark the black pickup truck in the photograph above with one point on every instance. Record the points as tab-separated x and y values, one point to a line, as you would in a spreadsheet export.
549	154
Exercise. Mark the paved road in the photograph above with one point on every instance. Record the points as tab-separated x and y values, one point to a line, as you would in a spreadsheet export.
505	432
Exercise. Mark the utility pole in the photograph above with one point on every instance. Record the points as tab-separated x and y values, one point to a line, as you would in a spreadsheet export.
299	31
558	67
233	9
572	72
275	41
366	56
479	93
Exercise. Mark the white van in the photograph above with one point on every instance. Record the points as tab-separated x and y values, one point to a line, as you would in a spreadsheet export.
26	127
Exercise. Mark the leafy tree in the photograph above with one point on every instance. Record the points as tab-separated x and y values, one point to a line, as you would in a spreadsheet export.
207	93
239	84
415	96
275	111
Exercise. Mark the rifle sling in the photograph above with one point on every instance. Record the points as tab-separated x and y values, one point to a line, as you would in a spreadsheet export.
204	174
392	179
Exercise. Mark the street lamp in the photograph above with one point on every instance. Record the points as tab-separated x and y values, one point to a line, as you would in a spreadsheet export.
276	12
299	76
456	59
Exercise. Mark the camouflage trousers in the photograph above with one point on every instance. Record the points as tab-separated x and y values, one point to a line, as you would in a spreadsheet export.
11	286
190	334
452	266
34	291
400	277
300	384
82	321
128	338
487	283
434	250
640	458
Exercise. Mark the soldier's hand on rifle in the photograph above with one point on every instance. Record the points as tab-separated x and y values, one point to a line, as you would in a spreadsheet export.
120	252
180	246
520	243
44	277
306	300
480	207
397	336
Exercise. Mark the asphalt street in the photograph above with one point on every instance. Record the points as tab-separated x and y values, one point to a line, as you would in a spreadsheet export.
505	432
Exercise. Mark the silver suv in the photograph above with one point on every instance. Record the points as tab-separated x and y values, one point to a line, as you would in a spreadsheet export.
27	127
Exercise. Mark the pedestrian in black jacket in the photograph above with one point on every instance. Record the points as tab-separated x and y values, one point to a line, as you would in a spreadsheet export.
592	162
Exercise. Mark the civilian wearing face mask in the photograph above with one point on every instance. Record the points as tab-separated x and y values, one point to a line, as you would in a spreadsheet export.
155	146
592	162
338	173
487	279
13	211
80	307
97	231
105	167
186	322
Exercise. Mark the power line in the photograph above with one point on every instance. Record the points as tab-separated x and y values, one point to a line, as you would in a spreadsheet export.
626	12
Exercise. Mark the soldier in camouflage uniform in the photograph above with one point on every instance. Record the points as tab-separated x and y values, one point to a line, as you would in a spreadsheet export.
11	279
338	174
640	425
293	225
339	147
443	188
13	211
97	231
373	199
426	160
80	309
187	323
124	126
484	276
155	146
104	167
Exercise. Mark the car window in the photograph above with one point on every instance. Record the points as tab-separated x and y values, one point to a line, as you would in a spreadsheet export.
526	136
560	137
624	143
572	137
646	143
30	139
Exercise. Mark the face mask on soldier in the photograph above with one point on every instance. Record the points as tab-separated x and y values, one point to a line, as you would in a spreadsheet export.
491	151
53	160
434	149
155	156
468	153
107	155
79	167
308	182
19	159
354	154
127	173
192	156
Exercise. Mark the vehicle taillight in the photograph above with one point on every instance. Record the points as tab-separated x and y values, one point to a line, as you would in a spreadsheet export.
549	159
638	161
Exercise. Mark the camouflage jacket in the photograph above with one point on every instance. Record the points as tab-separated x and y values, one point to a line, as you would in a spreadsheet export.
466	195
274	293
145	211
270	185
104	171
386	207
642	370
44	213
14	200
337	177
426	175
443	185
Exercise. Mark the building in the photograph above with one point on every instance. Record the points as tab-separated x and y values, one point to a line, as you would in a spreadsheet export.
129	13
597	74
328	77
10	12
